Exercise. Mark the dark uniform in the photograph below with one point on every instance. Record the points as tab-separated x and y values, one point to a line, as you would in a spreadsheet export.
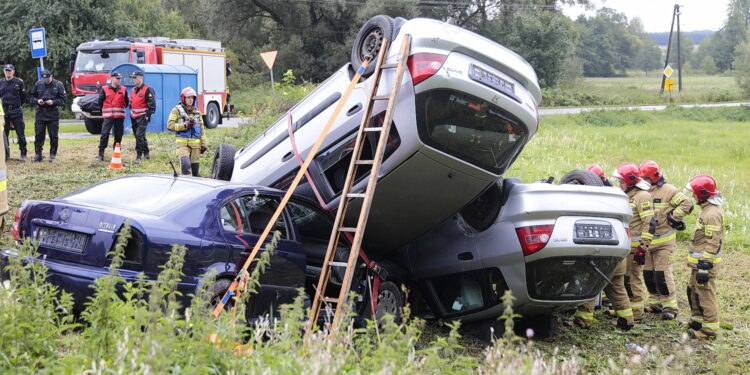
13	96
47	115
112	101
142	107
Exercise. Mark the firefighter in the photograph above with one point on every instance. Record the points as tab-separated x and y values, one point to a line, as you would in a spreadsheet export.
142	107
599	172
190	133
3	175
47	94
642	228
13	96
670	207
704	258
112	99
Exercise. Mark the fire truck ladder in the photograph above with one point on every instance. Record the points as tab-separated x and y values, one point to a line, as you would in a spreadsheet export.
322	299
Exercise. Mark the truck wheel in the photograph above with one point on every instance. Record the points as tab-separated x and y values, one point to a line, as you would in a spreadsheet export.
369	39
223	164
93	125
581	177
212	116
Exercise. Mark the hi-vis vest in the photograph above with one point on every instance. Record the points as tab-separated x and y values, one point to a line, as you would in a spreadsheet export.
192	133
138	106
114	102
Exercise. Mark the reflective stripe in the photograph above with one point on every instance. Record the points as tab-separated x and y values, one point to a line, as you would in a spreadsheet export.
697	318
714	326
694	257
654	301
637	305
678	198
646	213
661	205
635	241
625	313
672	303
189	141
647	236
679	211
713	258
3	174
584	315
672	234
3	185
713	227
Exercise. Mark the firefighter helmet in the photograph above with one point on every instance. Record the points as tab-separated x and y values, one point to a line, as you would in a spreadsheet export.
703	187
596	169
649	169
628	173
186	92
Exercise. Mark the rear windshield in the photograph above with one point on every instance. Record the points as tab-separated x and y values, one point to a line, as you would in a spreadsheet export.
150	195
470	129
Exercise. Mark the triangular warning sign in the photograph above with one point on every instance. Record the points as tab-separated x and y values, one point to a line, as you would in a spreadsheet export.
269	57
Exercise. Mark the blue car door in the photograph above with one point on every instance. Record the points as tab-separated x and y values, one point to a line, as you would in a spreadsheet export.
243	219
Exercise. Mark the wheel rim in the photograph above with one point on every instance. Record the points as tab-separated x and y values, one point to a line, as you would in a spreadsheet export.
371	43
215	167
387	303
212	115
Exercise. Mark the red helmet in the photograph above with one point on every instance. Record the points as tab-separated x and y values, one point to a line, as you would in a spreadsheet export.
629	173
650	170
703	187
186	92
596	169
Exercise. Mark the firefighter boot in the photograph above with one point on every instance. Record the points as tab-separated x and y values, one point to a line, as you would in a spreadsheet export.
37	158
701	334
195	167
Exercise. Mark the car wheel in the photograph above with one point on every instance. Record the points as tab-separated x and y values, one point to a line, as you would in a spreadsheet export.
212	116
390	302
581	177
223	164
93	125
220	288
369	39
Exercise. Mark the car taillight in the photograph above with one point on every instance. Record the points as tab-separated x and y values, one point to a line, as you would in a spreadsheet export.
424	65
534	238
15	229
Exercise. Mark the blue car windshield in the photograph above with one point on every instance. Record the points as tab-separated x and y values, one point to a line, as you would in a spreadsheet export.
150	195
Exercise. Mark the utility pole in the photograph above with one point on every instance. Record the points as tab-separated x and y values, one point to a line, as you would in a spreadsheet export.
675	16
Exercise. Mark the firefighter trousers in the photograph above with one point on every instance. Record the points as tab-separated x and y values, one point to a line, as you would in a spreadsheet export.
189	152
617	295
704	306
635	287
657	273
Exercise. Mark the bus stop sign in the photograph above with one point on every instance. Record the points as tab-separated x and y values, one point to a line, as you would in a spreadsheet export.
38	42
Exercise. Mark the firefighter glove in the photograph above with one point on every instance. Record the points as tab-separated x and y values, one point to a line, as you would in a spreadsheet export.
204	149
679	225
704	265
639	257
189	124
701	277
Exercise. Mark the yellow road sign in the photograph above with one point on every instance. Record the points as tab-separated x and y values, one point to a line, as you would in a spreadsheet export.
669	85
269	58
668	71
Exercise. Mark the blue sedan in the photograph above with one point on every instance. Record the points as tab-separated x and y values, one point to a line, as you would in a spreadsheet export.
217	221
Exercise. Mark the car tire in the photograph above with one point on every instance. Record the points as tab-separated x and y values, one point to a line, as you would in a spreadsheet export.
217	292
93	125
212	116
223	163
369	39
581	177
390	302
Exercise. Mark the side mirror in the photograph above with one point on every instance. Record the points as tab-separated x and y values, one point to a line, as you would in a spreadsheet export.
72	62
140	56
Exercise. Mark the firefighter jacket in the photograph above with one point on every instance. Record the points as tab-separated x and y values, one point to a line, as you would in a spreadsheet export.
142	101
12	94
708	235
3	170
642	224
668	200
54	91
178	123
113	101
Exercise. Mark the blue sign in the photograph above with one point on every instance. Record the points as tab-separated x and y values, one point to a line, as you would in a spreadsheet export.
38	42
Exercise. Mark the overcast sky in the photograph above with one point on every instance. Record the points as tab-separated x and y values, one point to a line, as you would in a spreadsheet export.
656	15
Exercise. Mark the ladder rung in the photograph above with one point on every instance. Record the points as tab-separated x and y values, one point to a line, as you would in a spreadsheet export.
381	97
329	299
347	229
374	129
364	162
388	66
338	264
355	195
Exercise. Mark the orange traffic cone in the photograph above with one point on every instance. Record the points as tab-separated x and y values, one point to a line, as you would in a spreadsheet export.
116	162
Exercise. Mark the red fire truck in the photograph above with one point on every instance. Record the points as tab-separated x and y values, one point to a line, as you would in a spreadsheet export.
91	62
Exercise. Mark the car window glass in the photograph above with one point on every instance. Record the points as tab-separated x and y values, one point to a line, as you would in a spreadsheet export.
232	218
257	212
313	226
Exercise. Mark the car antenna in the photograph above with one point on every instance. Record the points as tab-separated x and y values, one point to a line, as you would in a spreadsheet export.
174	170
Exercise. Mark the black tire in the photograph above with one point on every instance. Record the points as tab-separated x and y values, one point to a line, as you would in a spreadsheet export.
213	116
369	39
390	302
223	164
220	288
581	177
93	125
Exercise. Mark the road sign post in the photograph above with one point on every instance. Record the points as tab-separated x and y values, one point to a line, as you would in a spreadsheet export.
38	42
269	58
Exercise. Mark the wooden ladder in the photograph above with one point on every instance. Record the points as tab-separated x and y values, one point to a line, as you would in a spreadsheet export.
321	299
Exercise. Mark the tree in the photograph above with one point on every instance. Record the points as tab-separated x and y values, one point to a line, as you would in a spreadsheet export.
708	65
741	64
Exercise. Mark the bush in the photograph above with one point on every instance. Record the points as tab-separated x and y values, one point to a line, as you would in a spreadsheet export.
613	118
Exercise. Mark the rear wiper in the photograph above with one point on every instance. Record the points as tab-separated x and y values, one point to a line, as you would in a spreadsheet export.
597	270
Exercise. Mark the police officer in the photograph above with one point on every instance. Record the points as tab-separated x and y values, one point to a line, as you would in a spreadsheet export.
13	96
112	99
142	106
47	94
670	207
190	133
705	257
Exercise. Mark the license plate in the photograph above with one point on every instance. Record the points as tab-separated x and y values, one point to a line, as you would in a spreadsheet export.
493	80
62	239
601	234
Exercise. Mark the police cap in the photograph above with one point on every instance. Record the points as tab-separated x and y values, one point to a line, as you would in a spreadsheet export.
116	75
46	73
136	73
9	67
